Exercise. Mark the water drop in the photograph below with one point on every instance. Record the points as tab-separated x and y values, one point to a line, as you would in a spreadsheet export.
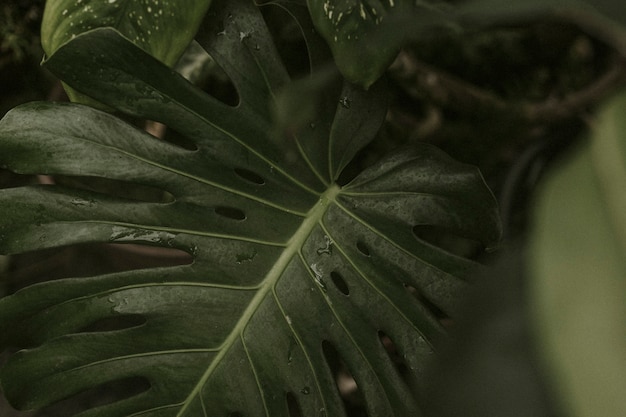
244	35
345	102
245	257
81	202
327	248
305	390
318	276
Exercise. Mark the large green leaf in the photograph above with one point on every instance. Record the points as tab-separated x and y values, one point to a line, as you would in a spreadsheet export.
291	272
578	271
160	27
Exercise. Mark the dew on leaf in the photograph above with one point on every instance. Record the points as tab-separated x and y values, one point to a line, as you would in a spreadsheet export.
244	35
81	202
246	257
345	102
305	390
317	271
327	248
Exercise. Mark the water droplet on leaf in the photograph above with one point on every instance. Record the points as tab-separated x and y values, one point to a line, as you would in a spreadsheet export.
345	102
327	248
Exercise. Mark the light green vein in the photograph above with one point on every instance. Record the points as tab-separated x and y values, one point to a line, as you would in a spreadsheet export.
276	272
201	180
373	286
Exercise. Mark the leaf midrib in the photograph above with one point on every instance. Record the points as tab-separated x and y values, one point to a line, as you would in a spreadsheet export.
292	249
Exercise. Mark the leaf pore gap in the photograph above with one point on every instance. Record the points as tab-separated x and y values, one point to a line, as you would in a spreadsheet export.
363	248
99	396
394	355
250	176
422	299
230	212
448	241
292	405
340	283
349	392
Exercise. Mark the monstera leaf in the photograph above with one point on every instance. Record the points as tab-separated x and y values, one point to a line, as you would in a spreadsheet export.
293	275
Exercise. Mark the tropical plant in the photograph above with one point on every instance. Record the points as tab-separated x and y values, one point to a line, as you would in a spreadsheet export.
308	267
298	272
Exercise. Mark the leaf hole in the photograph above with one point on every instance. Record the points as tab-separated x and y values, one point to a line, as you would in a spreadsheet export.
436	311
363	248
90	259
340	283
99	396
178	139
230	212
120	322
289	40
293	406
449	241
394	355
218	84
349	392
113	188
250	176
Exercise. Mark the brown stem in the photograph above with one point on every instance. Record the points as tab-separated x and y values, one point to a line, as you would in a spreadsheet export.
424	81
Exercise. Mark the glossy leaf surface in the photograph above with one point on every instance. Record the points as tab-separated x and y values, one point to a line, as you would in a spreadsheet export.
163	28
290	272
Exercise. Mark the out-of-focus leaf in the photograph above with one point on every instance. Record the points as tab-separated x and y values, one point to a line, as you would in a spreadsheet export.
366	35
604	19
578	271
